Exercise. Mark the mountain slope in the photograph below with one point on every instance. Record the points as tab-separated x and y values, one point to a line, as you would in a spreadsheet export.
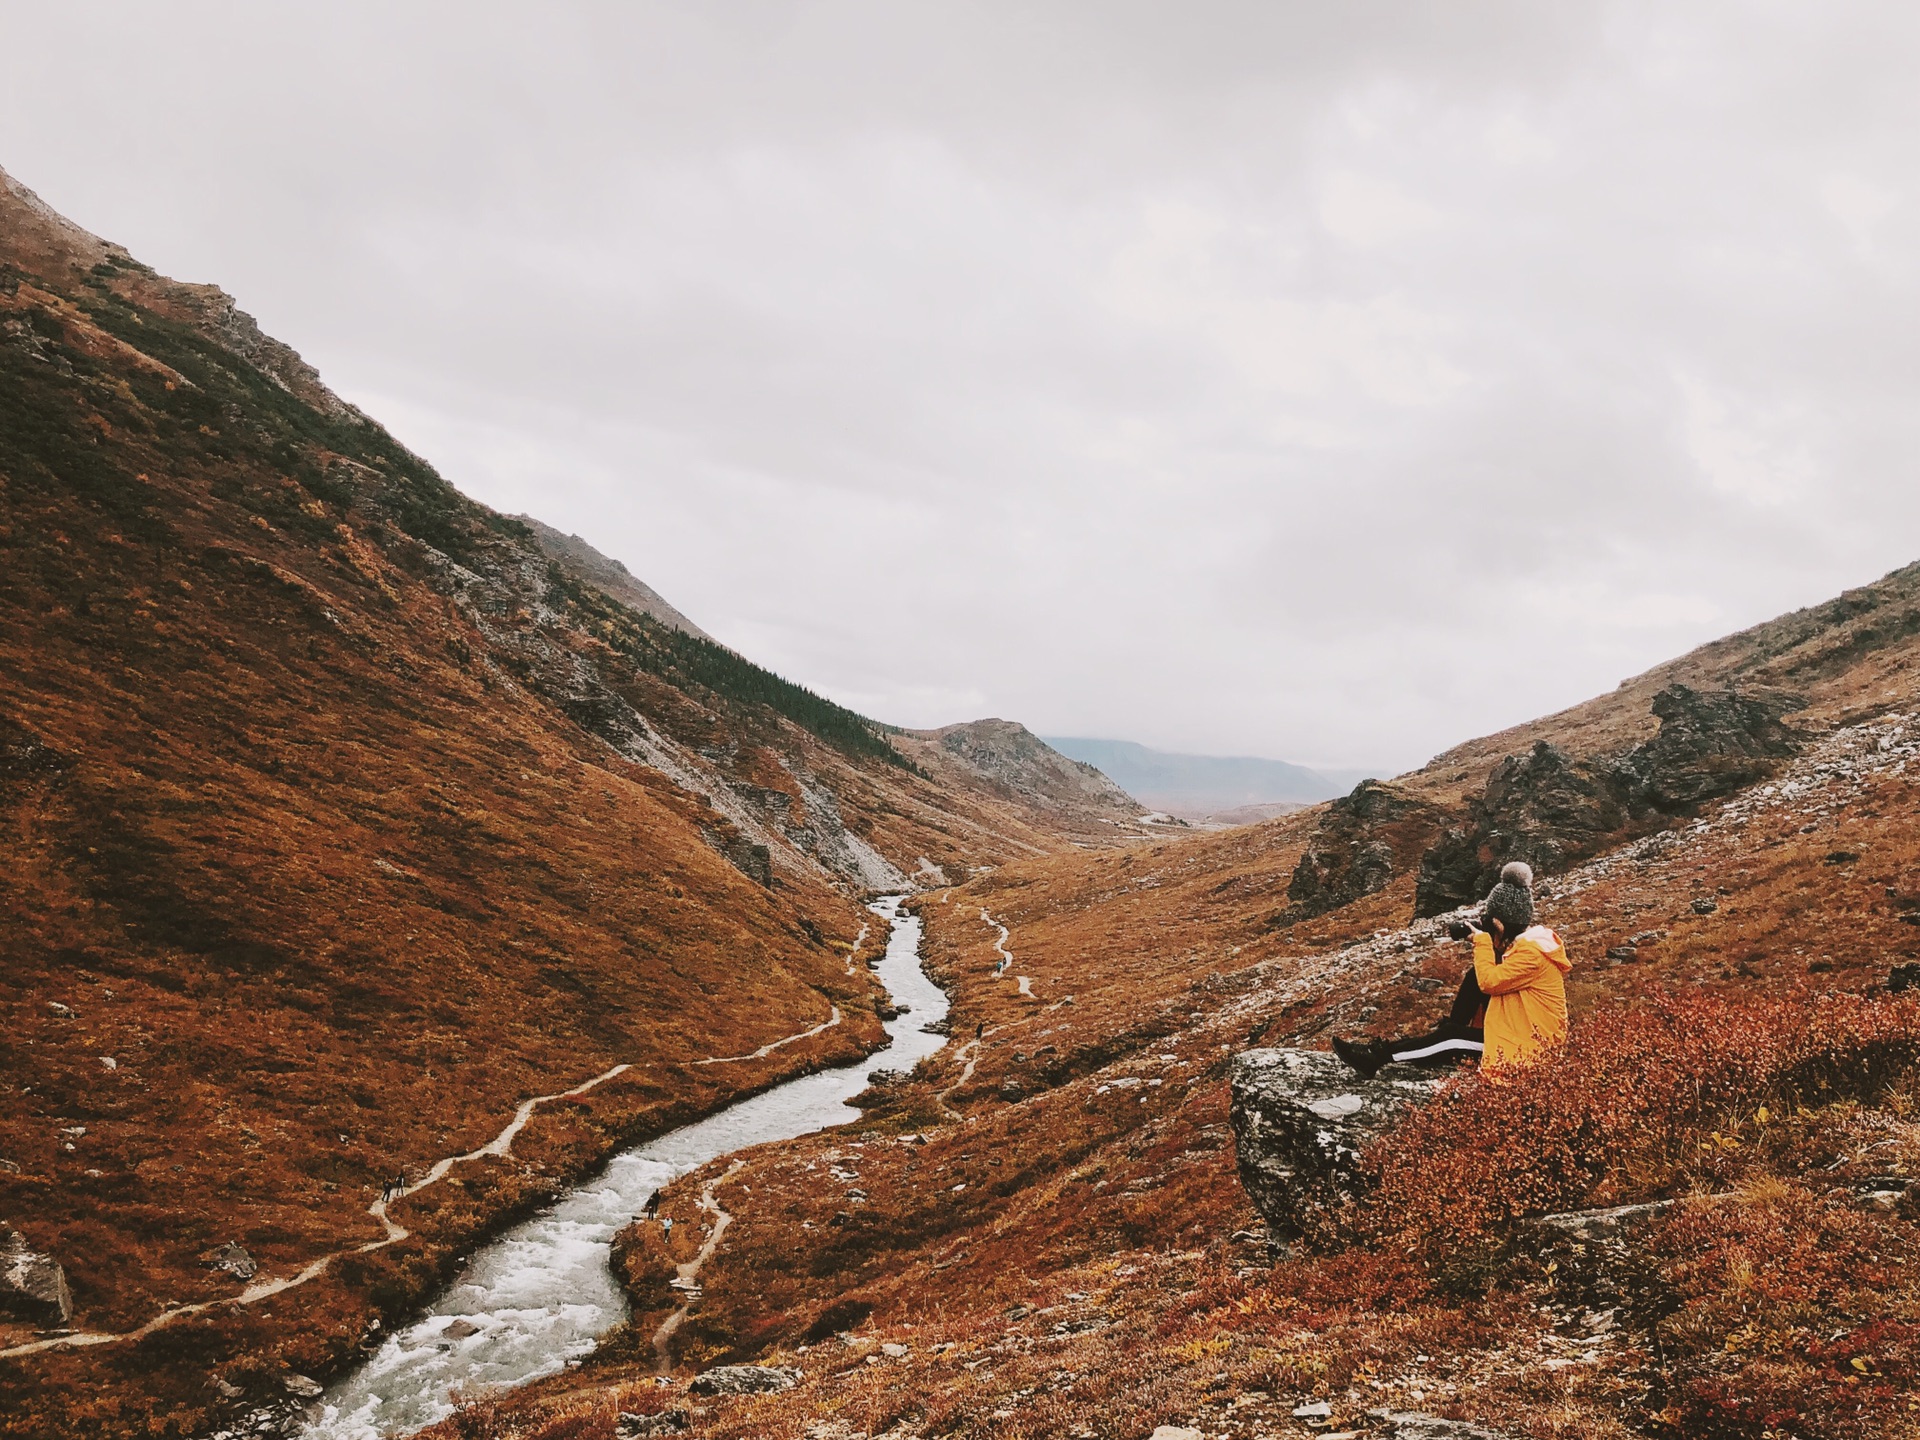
341	818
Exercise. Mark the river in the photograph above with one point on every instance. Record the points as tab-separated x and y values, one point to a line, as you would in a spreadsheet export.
541	1294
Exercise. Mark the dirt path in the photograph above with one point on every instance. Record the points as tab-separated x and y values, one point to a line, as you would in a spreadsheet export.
687	1280
1006	955
773	1045
501	1145
854	953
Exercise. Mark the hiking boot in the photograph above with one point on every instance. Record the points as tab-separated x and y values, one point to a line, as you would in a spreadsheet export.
1366	1056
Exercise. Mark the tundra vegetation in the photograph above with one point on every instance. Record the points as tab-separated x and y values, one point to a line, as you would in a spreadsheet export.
342	818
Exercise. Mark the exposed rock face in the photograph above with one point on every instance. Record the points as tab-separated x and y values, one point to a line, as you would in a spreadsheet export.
1710	744
1301	1119
33	1287
1543	807
1015	759
1364	840
1552	811
750	858
610	575
744	1380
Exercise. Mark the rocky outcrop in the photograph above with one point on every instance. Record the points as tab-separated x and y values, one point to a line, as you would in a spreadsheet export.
1020	764
1301	1120
1544	807
1711	743
33	1287
1552	810
1364	840
750	858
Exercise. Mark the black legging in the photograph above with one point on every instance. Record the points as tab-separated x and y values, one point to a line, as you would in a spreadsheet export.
1454	1037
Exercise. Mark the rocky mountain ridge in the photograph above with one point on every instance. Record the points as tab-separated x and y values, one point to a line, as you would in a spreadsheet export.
341	818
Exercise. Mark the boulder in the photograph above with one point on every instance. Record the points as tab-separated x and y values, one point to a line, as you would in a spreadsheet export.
231	1259
636	1427
1301	1119
1362	841
33	1287
744	1380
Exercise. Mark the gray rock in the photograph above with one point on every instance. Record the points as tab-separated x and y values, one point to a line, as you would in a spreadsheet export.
1602	1224
231	1259
1363	840
744	1380
1553	809
751	859
1301	1119
33	1287
1704	906
636	1427
1418	1425
305	1386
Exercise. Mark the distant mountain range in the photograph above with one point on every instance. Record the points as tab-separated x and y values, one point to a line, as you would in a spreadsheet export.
1199	787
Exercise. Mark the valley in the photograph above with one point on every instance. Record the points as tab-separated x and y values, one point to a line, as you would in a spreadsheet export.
432	962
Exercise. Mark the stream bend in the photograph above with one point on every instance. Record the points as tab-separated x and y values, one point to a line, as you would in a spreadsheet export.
541	1294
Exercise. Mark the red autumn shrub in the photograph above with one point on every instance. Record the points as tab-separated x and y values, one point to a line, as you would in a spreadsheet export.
1647	1095
1790	1312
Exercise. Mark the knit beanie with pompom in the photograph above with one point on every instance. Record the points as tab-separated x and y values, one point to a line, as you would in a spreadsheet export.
1511	901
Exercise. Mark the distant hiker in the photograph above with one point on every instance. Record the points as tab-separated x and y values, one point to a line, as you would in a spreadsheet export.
393	1189
1511	1005
666	1227
979	1029
652	1207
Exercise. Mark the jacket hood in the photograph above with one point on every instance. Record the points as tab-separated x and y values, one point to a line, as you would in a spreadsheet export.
1548	944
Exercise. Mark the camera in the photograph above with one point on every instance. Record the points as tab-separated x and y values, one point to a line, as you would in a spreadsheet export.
1461	930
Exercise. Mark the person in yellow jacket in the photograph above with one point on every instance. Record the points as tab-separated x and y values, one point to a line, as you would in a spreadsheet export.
1511	1007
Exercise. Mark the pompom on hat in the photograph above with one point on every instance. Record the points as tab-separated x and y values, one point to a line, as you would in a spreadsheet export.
1511	901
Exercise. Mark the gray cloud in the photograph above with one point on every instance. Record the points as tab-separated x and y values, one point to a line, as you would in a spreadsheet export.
1324	382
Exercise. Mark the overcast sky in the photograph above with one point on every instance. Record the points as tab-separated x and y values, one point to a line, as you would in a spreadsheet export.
1329	382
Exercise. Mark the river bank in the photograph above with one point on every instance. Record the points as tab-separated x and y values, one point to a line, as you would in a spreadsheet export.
533	1300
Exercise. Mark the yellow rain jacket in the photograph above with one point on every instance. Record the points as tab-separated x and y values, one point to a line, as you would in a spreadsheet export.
1526	996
